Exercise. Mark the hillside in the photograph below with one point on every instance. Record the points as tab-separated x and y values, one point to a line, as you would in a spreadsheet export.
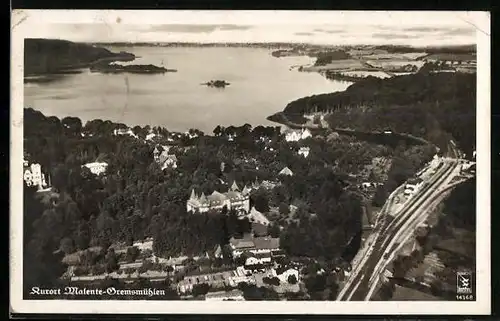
469	49
42	56
431	106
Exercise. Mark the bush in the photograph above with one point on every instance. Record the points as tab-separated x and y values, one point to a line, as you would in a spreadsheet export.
80	270
132	254
292	279
200	289
271	281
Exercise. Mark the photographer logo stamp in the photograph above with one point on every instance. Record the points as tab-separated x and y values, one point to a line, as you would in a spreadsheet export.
464	283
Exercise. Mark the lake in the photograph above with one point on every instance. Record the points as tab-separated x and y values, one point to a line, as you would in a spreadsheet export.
260	86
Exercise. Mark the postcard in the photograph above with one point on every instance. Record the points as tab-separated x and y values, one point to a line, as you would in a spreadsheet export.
235	162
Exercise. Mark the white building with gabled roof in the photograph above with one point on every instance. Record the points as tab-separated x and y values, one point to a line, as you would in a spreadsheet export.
286	172
232	200
257	217
124	131
96	168
296	135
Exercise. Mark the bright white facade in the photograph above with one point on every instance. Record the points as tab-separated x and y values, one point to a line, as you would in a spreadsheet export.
124	131
283	277
254	245
296	135
286	171
233	199
304	151
150	136
258	259
97	168
257	217
33	175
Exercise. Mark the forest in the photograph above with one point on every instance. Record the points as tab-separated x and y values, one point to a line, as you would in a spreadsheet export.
325	57
54	55
136	199
459	49
434	106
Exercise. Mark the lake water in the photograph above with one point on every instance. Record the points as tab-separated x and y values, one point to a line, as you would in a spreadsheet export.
260	86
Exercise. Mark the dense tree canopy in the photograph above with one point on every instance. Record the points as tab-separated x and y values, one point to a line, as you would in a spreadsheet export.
427	105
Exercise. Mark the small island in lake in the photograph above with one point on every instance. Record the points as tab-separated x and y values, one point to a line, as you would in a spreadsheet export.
138	69
216	83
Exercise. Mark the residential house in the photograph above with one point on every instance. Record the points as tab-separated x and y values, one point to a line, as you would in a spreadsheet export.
283	276
304	151
169	161
253	245
147	244
96	168
217	280
233	199
258	259
191	134
286	172
150	136
257	217
296	135
159	150
413	184
163	158
124	131
33	175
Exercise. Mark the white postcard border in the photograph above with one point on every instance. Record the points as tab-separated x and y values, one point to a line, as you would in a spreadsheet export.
21	22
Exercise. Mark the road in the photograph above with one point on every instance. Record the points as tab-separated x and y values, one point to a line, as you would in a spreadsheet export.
389	233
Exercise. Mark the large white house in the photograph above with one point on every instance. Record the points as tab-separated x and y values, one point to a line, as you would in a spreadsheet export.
296	135
33	175
124	131
258	259
96	168
233	199
283	276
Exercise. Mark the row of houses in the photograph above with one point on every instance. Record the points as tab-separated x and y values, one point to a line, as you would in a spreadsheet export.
217	280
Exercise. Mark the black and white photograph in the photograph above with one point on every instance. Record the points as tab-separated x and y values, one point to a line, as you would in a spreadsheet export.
332	157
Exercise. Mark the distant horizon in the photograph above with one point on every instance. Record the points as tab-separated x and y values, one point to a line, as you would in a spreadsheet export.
334	28
292	43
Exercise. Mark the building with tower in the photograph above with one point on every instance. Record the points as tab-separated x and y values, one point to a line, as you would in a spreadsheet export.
234	199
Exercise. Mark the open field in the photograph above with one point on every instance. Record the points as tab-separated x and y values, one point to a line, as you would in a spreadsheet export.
451	57
364	74
396	56
344	64
388	64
